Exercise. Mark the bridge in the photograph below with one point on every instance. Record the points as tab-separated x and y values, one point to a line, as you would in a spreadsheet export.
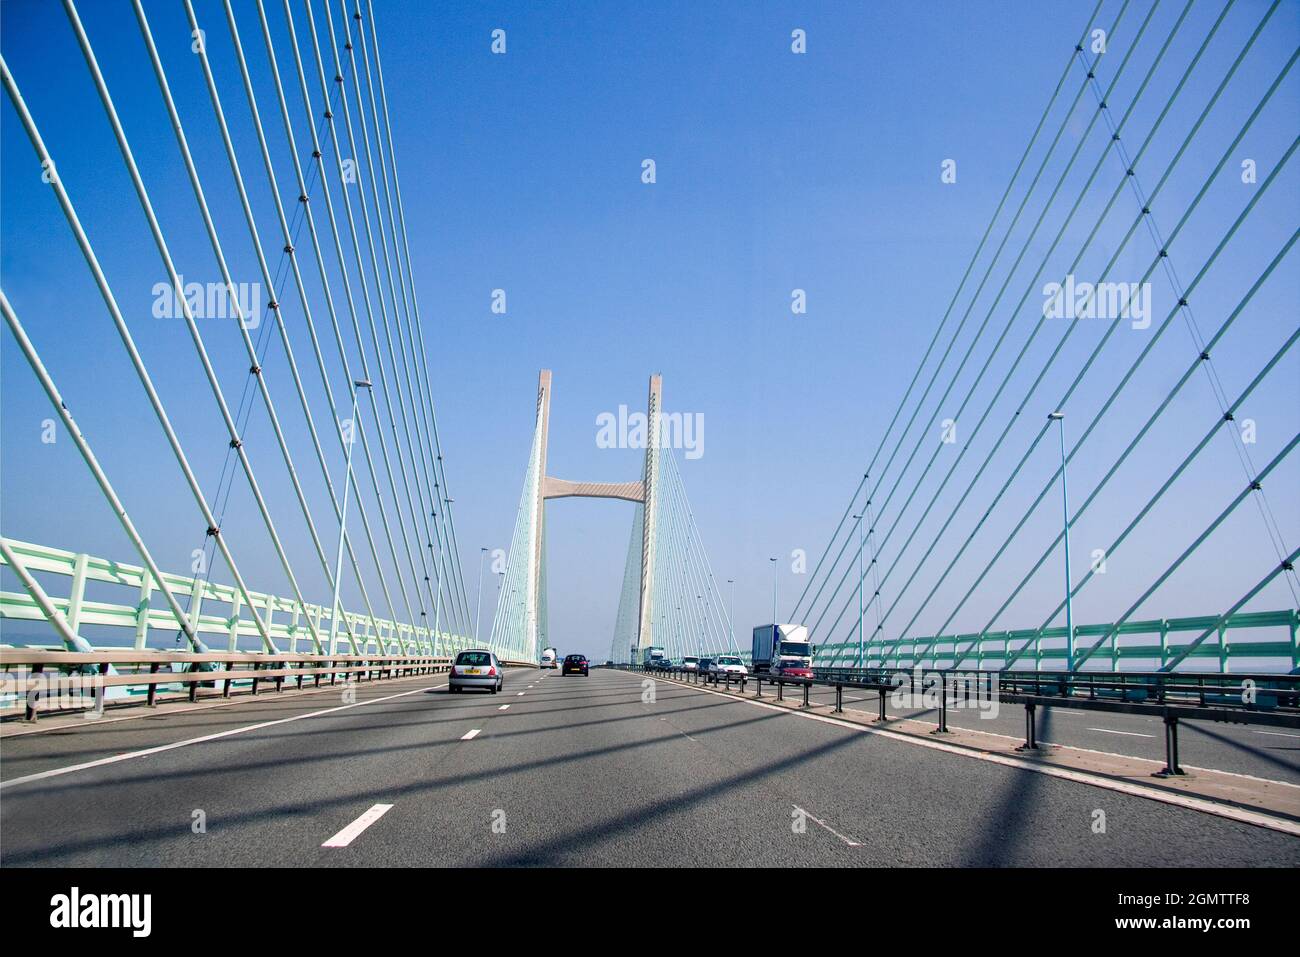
288	691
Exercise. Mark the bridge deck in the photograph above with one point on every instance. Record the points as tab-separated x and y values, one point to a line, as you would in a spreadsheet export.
585	773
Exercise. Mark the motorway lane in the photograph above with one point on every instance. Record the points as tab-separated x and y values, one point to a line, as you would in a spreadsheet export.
1264	752
579	771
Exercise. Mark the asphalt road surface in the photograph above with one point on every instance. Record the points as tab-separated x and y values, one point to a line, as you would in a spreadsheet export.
560	771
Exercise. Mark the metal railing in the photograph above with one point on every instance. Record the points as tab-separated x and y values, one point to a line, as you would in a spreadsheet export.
1125	644
285	619
1265	699
40	680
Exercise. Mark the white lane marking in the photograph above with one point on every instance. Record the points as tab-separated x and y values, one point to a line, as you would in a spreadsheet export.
1279	734
1204	805
55	772
1131	734
350	833
847	840
470	735
503	707
519	695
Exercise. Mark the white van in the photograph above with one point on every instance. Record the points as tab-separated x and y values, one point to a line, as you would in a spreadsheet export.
549	657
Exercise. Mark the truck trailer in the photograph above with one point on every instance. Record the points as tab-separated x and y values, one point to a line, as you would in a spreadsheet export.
782	650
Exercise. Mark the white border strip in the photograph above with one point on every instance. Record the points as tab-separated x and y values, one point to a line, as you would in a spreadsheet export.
100	762
1205	805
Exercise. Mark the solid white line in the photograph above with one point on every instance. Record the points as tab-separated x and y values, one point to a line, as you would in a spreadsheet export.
99	762
847	840
503	707
350	833
1131	734
1205	805
469	735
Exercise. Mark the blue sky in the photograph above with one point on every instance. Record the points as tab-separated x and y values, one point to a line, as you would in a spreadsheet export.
775	172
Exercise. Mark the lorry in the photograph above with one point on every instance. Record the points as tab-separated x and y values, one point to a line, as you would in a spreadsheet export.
782	650
653	657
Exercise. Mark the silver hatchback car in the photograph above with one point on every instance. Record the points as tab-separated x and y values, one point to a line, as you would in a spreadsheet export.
476	669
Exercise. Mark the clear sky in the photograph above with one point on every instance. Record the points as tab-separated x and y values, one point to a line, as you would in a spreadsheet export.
775	171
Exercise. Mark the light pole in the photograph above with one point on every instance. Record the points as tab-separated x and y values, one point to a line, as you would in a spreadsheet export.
773	561
731	616
478	600
437	607
358	385
1059	419
858	519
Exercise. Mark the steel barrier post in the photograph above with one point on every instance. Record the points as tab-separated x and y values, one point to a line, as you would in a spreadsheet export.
153	687
881	692
1171	749
943	706
780	690
807	686
1031	738
839	699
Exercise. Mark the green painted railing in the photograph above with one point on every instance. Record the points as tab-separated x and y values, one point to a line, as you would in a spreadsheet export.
286	620
1237	637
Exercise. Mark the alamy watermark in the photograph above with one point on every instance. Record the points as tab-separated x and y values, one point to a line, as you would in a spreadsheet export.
629	430
966	691
1102	300
209	300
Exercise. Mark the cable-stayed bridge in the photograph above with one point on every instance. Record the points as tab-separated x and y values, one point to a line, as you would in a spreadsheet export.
1029	589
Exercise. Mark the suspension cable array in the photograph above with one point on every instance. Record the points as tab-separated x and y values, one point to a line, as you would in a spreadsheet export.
957	525
360	268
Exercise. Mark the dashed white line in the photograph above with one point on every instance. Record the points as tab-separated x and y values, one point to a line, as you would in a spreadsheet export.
1279	734
350	833
519	695
1131	734
503	707
469	735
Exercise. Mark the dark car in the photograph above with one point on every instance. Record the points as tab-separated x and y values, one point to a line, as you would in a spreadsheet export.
575	665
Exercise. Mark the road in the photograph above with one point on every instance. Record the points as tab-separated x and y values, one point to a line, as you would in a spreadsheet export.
561	771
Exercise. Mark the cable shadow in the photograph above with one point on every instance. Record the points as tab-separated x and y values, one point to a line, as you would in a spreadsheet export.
1007	822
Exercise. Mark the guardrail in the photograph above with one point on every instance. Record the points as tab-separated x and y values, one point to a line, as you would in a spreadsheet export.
1267	699
218	612
46	680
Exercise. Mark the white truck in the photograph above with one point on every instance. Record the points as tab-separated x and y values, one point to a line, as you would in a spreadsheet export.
549	656
653	657
782	650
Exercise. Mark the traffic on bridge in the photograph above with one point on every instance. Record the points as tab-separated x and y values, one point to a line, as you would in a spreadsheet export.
985	561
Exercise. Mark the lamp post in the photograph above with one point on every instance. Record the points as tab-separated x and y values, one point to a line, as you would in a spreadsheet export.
478	599
858	519
773	561
1059	418
358	385
731	615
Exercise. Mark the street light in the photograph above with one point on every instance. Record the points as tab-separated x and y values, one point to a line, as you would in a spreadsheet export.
773	561
731	616
1059	418
858	519
359	384
478	600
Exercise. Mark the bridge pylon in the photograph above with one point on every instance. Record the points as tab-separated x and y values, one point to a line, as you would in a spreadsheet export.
539	487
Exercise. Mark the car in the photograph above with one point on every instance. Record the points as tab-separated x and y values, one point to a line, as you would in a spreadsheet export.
730	663
704	666
549	656
690	663
476	668
575	665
